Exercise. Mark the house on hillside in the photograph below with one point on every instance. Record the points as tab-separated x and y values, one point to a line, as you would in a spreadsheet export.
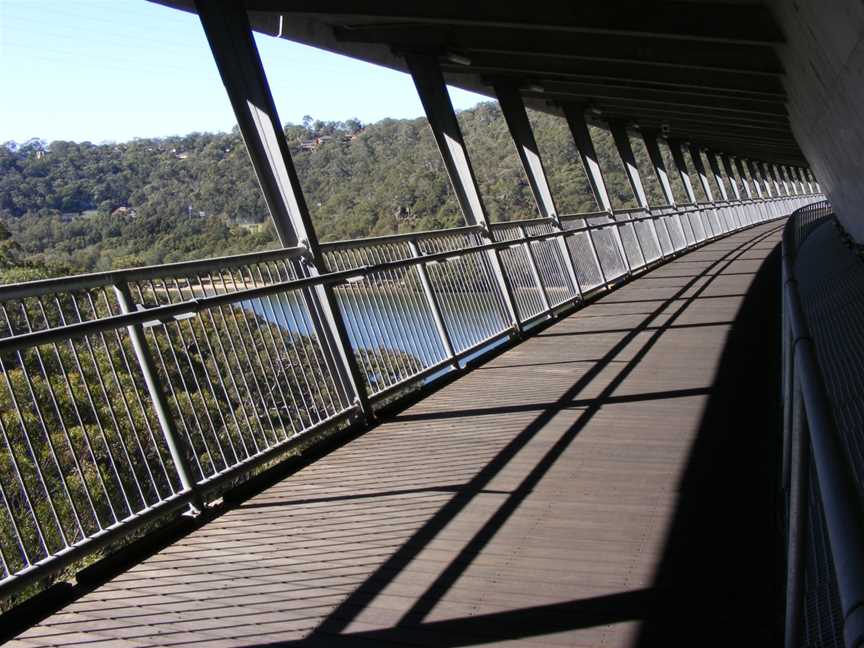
124	212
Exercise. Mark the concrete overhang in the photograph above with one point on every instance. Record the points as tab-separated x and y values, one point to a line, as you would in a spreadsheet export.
706	72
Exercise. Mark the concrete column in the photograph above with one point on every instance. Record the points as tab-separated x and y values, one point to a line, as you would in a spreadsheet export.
575	116
516	117
730	173
625	151
681	167
432	90
226	25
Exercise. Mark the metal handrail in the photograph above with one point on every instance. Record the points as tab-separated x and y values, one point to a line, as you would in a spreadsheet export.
392	238
111	277
233	364
843	514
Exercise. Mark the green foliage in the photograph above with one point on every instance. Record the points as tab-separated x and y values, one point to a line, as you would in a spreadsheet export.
76	207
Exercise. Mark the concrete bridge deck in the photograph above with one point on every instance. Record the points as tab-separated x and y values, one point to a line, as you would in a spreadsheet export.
608	482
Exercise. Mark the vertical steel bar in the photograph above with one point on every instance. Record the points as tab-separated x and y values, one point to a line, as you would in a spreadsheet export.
432	302
175	444
532	264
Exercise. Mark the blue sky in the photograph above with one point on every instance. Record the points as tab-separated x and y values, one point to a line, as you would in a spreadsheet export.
103	70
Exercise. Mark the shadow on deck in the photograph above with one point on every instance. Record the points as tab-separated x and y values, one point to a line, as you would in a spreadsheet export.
608	482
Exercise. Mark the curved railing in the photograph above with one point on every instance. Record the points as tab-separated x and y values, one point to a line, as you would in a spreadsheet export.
128	396
825	518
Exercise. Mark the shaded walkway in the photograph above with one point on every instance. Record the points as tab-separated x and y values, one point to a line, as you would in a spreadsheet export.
608	482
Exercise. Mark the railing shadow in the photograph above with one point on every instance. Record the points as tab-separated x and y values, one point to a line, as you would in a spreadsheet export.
710	560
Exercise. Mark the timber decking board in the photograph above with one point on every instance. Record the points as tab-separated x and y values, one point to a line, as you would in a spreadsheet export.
539	500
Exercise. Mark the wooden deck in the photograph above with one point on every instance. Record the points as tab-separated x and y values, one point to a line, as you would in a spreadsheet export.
608	482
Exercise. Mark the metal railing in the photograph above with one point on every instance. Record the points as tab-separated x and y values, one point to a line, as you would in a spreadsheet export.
129	396
824	512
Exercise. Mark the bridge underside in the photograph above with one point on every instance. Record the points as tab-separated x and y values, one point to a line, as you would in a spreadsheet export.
609	481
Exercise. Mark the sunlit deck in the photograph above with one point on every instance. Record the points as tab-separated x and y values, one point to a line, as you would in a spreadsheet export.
607	482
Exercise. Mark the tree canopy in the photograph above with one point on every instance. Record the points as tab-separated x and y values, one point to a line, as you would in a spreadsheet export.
76	207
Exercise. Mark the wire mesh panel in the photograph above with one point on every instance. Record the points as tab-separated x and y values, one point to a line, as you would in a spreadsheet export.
828	315
687	228
753	213
677	238
836	319
663	234
585	262
714	225
720	225
822	614
697	222
732	216
387	315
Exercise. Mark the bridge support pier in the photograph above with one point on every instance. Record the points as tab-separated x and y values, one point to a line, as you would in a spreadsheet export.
226	25
432	90
575	116
529	155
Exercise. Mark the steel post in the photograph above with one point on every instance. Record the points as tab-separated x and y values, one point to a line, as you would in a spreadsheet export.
434	306
177	446
625	152
677	149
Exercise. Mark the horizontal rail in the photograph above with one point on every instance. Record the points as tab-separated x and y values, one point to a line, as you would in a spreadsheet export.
112	277
391	238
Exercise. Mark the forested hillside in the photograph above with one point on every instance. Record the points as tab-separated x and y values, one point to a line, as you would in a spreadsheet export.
74	207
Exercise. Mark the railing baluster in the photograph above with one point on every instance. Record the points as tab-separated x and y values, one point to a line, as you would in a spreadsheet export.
175	443
535	274
434	306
